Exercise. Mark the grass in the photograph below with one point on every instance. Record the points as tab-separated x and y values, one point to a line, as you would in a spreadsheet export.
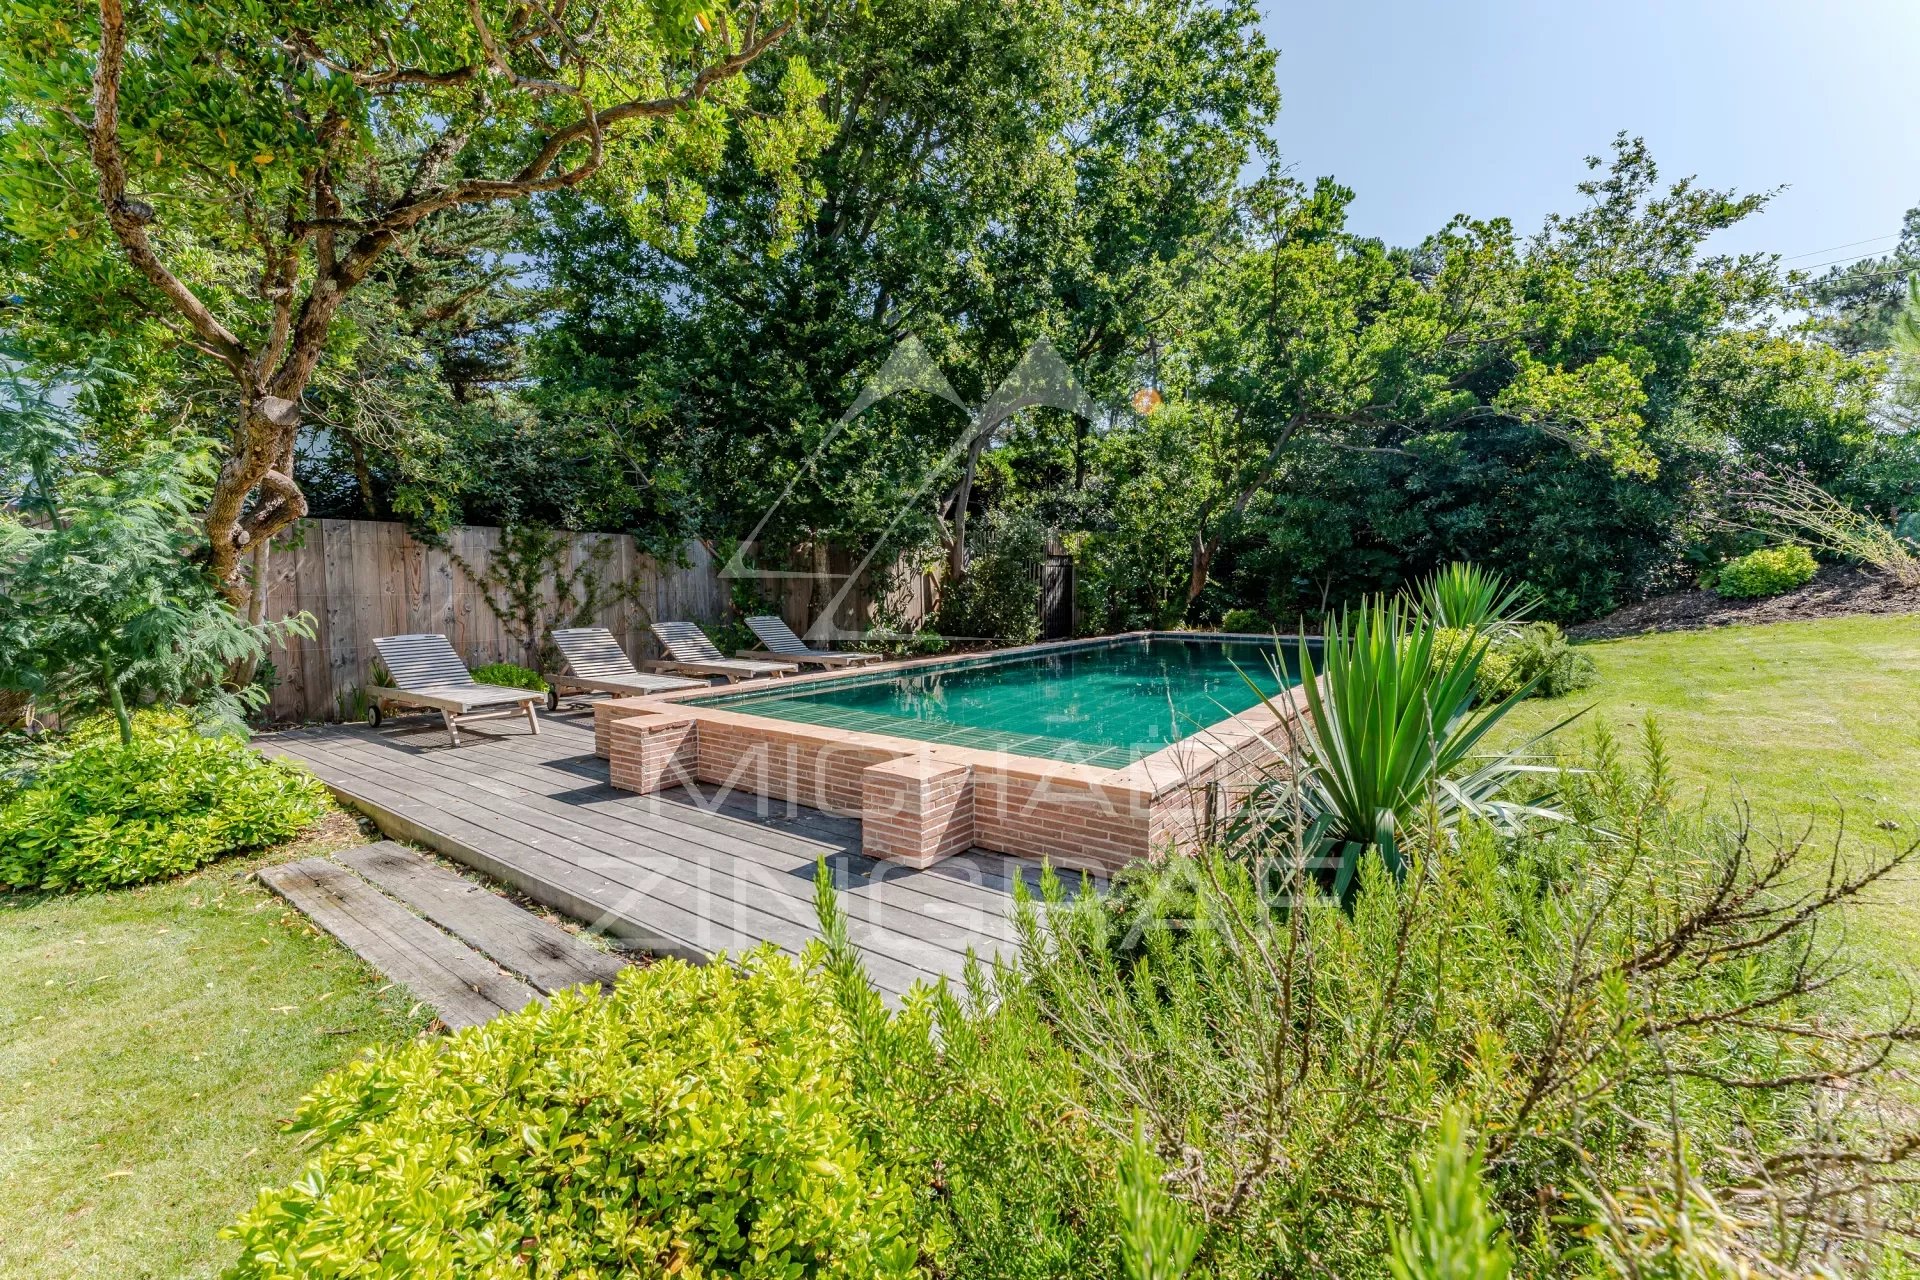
152	1042
1809	723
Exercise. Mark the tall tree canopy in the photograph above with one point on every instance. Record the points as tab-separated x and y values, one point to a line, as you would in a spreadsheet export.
223	176
997	173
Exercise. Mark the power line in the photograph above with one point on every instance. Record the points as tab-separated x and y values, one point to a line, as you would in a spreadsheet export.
1850	244
1841	262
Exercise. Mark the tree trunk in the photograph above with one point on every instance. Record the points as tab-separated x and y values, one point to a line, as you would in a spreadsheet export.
111	679
362	477
241	674
1199	565
962	495
260	458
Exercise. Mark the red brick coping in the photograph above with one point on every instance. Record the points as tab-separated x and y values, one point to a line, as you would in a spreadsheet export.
922	801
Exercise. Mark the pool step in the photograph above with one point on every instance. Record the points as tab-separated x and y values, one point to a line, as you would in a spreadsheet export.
468	953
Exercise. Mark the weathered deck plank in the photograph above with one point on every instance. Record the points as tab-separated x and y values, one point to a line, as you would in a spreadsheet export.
711	826
457	981
685	873
721	864
515	939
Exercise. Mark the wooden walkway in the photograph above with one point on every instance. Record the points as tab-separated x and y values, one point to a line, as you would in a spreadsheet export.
468	953
688	873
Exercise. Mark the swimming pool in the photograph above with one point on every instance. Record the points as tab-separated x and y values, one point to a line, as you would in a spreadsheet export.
1106	704
1089	753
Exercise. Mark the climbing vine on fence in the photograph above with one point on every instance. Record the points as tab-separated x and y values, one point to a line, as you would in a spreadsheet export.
531	586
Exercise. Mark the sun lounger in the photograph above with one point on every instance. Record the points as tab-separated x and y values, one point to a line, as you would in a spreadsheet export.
778	639
595	663
689	650
426	672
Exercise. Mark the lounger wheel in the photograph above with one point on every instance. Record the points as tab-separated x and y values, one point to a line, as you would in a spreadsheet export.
373	715
553	699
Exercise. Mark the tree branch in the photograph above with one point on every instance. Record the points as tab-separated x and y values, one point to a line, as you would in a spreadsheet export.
128	217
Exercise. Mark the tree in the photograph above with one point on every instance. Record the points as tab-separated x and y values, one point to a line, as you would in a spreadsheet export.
997	173
247	167
101	602
1854	306
1556	406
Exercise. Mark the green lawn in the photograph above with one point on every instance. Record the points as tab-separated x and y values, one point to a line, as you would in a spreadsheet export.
1807	721
152	1041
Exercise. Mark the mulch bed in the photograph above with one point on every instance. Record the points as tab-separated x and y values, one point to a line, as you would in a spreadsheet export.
1837	591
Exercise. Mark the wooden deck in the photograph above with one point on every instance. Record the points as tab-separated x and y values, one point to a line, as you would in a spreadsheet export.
689	873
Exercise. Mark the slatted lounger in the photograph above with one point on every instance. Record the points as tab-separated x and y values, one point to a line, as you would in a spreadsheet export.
595	663
428	673
689	650
779	640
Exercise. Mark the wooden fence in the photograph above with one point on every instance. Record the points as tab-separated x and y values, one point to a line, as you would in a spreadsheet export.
364	578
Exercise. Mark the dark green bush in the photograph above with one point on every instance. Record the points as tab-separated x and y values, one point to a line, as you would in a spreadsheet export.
999	598
696	1121
1766	572
94	814
902	643
1244	621
1539	652
510	675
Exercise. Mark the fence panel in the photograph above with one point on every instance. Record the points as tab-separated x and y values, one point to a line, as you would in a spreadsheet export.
359	579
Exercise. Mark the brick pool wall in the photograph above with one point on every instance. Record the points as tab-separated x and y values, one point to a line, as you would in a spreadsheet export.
929	800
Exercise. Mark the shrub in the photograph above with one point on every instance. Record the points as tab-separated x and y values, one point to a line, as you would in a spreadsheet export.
1243	621
103	600
510	675
902	644
999	598
1790	505
97	814
696	1121
1766	572
1392	737
1630	1014
1495	679
1538	654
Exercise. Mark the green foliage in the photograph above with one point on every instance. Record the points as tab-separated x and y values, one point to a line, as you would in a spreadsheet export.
923	643
1393	741
696	1121
1579	995
532	586
1578	443
510	675
1533	660
1243	621
1465	597
1157	1240
101	602
980	1101
227	115
1451	1234
999	599
1768	571
1539	658
96	813
1495	680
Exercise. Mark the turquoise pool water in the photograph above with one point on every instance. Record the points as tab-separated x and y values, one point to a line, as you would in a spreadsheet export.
1105	705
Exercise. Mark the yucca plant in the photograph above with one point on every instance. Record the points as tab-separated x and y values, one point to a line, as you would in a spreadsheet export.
1392	738
1466	597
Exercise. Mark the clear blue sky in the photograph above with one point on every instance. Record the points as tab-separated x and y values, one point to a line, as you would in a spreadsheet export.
1429	108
